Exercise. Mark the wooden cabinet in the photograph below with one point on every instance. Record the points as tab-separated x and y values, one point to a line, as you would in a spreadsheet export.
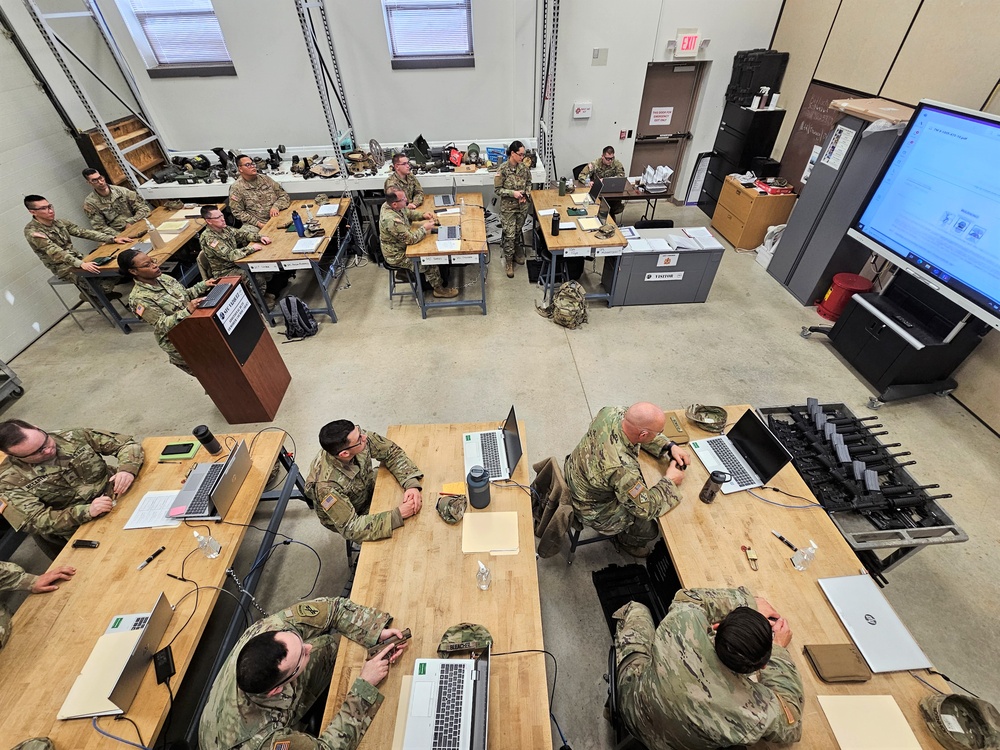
744	214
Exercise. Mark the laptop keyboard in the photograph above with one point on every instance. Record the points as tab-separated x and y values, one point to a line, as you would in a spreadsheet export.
491	454
203	497
448	719
140	623
721	449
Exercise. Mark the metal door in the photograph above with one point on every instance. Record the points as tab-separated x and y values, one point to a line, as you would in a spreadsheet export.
665	114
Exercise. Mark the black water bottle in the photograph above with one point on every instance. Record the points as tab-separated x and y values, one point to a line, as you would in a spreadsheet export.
555	223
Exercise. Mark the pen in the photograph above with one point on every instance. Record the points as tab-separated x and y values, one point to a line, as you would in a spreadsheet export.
149	559
791	546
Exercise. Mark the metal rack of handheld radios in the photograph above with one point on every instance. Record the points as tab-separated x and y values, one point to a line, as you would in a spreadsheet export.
426	160
853	474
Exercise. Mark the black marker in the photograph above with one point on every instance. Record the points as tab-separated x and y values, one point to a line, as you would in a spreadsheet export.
149	559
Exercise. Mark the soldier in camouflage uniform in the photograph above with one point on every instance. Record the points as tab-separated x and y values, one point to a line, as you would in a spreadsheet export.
111	208
255	198
161	301
341	482
395	233
257	702
604	478
50	239
223	246
400	178
512	185
605	166
59	480
686	685
15	578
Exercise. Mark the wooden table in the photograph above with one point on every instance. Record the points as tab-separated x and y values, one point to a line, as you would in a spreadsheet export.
472	219
704	543
278	256
630	193
172	243
54	633
572	243
421	577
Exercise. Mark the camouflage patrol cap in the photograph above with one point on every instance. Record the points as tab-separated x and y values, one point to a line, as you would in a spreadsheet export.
173	205
322	199
35	743
459	639
606	231
451	508
960	722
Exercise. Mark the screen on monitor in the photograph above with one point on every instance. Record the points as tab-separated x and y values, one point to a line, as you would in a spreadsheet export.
935	209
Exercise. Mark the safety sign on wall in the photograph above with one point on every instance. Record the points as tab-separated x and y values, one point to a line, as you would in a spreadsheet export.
661	115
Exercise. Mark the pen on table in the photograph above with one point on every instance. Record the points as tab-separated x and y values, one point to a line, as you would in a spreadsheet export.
149	559
791	546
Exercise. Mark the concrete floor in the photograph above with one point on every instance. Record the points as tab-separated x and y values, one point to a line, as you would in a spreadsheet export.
379	367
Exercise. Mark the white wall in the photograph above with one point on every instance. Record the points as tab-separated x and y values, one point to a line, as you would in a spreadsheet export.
37	157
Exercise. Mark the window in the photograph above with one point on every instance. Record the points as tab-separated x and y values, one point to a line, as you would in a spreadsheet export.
429	33
178	37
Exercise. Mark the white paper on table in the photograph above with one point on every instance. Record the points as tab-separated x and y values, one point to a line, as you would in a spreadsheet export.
868	722
151	512
638	245
658	244
449	246
328	209
546	212
567	225
447	211
629	233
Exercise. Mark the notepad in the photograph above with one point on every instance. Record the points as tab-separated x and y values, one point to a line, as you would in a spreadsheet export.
589	224
173	226
328	209
493	532
453	488
307	245
868	722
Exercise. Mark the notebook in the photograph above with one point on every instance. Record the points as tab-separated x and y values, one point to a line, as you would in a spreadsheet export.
449	704
211	488
749	453
497	451
110	678
873	625
589	198
593	223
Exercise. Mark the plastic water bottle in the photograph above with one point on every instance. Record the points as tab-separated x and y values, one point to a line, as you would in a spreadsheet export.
483	577
802	557
208	545
154	235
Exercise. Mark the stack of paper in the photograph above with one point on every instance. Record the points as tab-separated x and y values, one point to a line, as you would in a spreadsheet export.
705	238
307	245
328	209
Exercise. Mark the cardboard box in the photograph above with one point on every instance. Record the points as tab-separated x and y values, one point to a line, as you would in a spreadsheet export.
874	109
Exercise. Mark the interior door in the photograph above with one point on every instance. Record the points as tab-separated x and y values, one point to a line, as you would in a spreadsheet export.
664	126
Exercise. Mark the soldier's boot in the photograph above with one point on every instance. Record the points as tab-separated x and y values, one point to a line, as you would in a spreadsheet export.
270	300
445	292
627	549
508	267
519	256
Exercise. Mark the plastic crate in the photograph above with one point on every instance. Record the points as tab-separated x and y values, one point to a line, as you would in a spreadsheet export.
618	585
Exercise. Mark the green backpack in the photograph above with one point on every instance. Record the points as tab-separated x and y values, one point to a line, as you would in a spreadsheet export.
568	307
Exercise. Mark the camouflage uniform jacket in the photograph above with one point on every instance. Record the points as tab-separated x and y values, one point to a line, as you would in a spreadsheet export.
602	170
224	248
163	304
252	201
395	233
12	578
510	178
54	496
116	210
606	482
234	719
409	185
53	246
677	695
340	492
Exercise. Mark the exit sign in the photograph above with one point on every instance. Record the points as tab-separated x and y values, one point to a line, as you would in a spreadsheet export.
687	43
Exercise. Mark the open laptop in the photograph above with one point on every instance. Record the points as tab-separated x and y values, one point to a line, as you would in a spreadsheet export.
749	453
589	198
211	488
873	625
110	678
449	704
447	200
593	223
450	232
498	451
614	184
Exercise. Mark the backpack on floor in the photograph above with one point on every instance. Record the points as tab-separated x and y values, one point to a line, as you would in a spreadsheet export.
568	307
299	322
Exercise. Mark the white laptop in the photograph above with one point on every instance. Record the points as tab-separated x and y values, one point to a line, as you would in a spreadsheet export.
873	625
498	451
109	680
749	453
449	704
211	487
447	200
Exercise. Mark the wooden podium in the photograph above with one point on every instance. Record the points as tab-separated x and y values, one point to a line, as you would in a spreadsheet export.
229	351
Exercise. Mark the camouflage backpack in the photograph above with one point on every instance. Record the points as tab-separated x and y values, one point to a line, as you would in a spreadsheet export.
568	307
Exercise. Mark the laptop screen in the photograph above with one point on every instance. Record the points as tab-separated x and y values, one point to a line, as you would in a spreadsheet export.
758	445
603	212
512	441
595	189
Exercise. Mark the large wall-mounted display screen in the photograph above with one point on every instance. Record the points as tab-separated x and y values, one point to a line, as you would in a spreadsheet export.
935	209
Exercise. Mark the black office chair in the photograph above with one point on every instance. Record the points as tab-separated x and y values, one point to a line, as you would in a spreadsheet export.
654	224
579	168
623	738
574	531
